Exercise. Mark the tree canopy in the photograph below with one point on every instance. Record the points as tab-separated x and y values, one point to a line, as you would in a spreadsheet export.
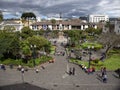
109	40
1	16
26	32
28	15
9	44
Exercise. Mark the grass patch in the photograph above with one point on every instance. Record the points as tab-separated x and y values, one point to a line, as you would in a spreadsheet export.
79	62
96	45
113	62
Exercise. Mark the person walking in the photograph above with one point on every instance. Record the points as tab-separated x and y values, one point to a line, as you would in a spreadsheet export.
73	71
70	71
22	70
105	78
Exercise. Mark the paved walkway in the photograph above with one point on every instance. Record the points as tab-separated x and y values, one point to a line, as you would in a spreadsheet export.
55	77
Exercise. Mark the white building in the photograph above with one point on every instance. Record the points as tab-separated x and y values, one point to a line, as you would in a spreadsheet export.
38	19
98	18
17	26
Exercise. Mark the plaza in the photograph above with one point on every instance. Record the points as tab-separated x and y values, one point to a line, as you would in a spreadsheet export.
55	77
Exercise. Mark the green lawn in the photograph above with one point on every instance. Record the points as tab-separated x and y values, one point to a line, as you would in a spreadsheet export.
79	62
111	63
96	45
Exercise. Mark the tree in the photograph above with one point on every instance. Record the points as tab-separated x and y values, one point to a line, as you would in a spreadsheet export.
39	41
1	16
28	16
53	21
9	45
9	28
26	32
25	50
109	40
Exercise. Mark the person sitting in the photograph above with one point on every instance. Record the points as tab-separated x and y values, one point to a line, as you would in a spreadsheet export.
105	78
19	68
36	70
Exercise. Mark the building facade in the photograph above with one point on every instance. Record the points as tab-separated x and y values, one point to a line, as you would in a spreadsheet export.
62	25
117	27
98	18
17	25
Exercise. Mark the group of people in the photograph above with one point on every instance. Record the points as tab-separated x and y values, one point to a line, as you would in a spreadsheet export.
87	70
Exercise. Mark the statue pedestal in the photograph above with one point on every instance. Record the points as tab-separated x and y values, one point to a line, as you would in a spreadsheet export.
61	38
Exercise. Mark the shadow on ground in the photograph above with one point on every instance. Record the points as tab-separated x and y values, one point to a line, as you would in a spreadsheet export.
21	86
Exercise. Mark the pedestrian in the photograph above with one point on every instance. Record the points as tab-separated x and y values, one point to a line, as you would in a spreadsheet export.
93	69
105	78
0	66
102	71
36	70
22	70
63	53
73	72
3	67
70	71
19	68
11	66
42	67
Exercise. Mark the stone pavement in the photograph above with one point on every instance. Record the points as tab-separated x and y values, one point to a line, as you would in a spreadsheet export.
55	77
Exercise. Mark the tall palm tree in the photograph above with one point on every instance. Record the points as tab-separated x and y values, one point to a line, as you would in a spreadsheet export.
28	16
1	16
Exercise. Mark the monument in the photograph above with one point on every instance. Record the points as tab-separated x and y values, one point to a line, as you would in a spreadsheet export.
61	37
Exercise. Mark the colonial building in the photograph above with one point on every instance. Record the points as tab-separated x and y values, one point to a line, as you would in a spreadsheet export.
13	23
98	18
63	25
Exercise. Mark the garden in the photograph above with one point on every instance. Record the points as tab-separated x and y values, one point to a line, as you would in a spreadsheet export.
30	63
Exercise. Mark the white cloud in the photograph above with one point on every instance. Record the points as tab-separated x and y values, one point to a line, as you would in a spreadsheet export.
67	7
110	7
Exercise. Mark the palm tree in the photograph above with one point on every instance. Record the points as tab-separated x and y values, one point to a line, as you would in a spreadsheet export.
1	16
28	16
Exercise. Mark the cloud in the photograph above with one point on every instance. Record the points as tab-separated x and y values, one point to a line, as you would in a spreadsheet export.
68	8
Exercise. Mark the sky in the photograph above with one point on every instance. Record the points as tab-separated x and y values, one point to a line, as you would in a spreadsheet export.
67	8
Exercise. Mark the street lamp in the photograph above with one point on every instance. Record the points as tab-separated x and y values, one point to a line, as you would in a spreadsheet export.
33	54
90	53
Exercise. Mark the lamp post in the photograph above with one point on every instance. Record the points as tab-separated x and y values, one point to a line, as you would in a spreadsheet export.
33	54
90	53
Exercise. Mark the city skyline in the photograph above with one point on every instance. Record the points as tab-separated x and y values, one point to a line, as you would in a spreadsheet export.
68	8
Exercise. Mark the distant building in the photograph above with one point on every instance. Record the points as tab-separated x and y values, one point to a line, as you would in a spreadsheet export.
38	19
98	18
54	18
117	27
74	24
17	24
114	26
